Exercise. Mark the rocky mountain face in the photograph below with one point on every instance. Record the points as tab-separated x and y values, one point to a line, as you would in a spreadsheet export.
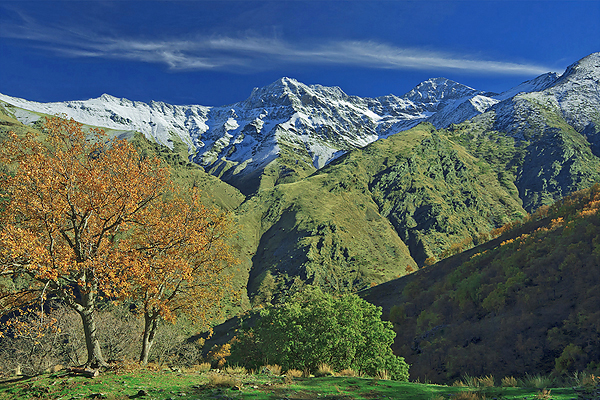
347	192
554	134
288	129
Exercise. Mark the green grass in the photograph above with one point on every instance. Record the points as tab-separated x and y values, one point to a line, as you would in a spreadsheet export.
194	385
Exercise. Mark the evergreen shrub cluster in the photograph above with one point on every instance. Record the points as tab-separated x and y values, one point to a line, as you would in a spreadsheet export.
316	328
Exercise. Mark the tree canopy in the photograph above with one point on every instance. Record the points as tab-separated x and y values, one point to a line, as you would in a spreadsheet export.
86	217
315	328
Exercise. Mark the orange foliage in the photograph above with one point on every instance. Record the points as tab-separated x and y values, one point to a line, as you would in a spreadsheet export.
29	324
556	222
218	354
69	199
86	216
67	202
180	256
430	261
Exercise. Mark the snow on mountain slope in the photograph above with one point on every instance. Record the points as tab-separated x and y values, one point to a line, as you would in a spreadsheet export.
316	123
156	120
575	96
461	110
535	85
320	122
577	92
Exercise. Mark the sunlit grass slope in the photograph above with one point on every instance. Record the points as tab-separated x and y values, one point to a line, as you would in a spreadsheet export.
166	384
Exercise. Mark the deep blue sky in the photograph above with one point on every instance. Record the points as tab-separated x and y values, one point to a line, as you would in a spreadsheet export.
215	52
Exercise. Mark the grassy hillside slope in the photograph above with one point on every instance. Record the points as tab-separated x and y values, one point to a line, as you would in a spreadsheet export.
372	215
525	302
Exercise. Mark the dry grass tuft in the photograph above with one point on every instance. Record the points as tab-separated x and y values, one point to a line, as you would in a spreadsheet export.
348	372
486	381
274	369
467	395
221	380
125	367
294	373
324	370
544	394
509	381
585	379
537	381
236	370
383	375
204	367
471	381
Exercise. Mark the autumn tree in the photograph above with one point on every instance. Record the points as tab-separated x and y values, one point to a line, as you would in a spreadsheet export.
181	255
67	200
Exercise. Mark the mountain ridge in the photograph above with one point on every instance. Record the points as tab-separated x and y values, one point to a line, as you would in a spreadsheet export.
316	122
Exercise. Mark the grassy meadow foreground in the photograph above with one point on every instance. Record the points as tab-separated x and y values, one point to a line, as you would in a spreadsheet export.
234	383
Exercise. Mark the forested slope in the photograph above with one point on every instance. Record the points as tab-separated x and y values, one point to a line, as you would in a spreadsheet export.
526	302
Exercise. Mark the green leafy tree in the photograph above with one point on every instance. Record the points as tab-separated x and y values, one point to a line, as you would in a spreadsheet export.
315	328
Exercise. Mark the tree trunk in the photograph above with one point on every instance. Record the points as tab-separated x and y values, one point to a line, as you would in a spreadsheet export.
150	325
94	352
85	306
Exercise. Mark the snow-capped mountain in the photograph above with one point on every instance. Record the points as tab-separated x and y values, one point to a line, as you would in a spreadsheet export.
574	96
156	120
577	93
315	122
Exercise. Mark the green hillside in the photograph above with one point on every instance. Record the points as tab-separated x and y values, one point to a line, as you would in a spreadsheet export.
372	215
536	150
526	302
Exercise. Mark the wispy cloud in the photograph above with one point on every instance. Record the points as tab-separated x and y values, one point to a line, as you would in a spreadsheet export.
254	52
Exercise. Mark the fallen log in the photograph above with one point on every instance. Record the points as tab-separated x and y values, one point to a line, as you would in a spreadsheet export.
88	372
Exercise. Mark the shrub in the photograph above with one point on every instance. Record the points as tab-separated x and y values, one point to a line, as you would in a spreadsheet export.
218	354
568	360
313	328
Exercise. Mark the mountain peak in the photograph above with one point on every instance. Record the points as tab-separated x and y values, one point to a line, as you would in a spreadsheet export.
108	97
586	68
287	91
588	63
435	90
